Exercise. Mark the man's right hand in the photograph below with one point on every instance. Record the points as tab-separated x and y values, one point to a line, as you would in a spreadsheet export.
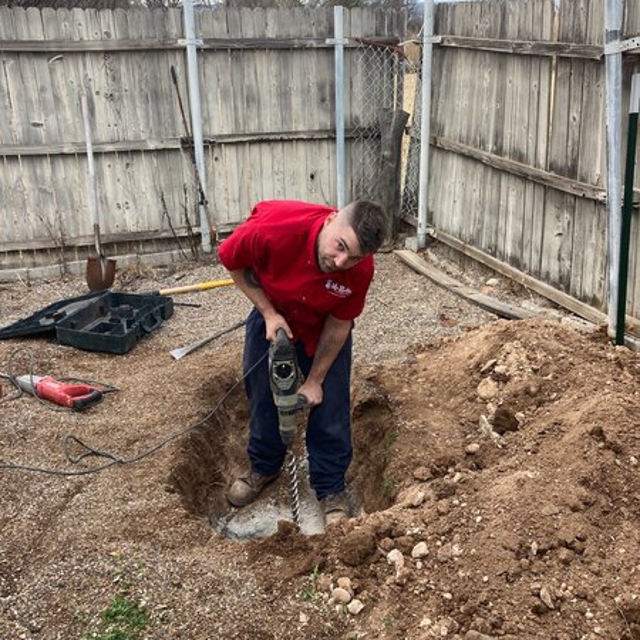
274	321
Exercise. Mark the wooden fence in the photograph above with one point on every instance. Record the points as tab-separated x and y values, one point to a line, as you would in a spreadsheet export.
519	142
268	104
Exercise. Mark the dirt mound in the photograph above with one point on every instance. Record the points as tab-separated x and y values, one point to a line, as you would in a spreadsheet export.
532	532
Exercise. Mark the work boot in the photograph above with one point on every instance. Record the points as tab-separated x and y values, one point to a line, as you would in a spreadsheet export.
247	488
335	507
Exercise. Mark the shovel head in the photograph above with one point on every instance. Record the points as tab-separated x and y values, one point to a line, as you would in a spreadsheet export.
100	273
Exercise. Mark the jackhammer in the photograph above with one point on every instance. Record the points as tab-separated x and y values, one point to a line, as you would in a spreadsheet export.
285	379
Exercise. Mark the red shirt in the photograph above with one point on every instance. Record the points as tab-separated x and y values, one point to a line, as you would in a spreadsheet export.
278	241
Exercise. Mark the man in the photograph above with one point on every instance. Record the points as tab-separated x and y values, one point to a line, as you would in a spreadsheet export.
307	269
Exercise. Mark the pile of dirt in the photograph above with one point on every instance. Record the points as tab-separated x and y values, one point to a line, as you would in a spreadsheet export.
517	513
496	471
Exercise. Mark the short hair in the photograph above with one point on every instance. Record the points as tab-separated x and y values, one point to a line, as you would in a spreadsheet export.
369	222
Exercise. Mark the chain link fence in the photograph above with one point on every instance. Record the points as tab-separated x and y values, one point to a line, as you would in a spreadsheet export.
387	81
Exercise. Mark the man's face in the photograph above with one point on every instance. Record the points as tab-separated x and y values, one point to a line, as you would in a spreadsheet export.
337	245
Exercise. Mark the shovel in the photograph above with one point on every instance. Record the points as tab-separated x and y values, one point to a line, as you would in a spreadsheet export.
100	270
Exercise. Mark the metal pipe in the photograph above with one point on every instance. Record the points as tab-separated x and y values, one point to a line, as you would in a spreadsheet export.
627	207
193	82
338	32
613	68
425	123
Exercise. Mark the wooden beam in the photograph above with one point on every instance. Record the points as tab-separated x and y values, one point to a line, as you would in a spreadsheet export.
546	178
211	44
106	238
487	303
564	300
525	47
78	267
79	148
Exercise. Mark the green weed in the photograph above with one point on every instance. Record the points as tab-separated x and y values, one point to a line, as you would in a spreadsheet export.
310	592
122	620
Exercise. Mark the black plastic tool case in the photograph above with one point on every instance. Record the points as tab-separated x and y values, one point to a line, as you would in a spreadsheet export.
114	322
45	321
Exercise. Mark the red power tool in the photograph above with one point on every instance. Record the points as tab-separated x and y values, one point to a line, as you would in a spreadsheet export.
73	396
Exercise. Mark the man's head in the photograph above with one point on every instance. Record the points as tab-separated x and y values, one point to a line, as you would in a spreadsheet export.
348	235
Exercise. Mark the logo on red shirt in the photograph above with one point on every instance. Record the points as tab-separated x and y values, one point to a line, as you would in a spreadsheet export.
338	290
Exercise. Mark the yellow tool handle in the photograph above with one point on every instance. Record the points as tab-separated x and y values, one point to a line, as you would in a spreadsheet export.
203	286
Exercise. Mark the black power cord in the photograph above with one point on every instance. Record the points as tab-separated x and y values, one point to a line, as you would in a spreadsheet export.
92	451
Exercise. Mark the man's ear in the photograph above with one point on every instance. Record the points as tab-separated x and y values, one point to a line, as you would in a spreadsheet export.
331	217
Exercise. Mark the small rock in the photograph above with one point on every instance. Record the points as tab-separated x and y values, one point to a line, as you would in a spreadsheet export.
404	543
487	389
533	388
386	544
355	607
485	428
545	596
566	556
472	448
445	553
396	558
634	461
303	618
493	282
420	550
476	635
323	582
402	576
341	596
501	374
413	497
345	583
487	365
422	474
356	547
550	510
443	507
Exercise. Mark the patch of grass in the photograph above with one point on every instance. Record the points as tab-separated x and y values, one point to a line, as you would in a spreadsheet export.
388	623
123	619
310	592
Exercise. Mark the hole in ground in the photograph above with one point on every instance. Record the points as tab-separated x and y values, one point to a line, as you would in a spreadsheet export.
211	457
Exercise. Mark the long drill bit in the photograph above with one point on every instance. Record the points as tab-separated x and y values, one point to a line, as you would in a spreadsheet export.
294	491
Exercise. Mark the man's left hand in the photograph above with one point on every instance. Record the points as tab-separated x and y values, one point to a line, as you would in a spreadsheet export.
312	391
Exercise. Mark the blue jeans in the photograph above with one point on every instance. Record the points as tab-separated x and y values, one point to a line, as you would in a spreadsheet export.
328	436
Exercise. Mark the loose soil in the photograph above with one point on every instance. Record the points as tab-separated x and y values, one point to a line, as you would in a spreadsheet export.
495	481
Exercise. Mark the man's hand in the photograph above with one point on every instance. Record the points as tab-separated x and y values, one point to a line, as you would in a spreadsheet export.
274	321
312	391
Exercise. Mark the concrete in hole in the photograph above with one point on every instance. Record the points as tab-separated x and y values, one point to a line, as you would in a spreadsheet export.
260	519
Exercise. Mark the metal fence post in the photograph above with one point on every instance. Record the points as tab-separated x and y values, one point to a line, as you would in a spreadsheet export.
196	116
338	32
613	66
425	123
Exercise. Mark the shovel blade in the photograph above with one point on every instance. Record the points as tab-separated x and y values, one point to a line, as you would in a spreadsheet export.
100	273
